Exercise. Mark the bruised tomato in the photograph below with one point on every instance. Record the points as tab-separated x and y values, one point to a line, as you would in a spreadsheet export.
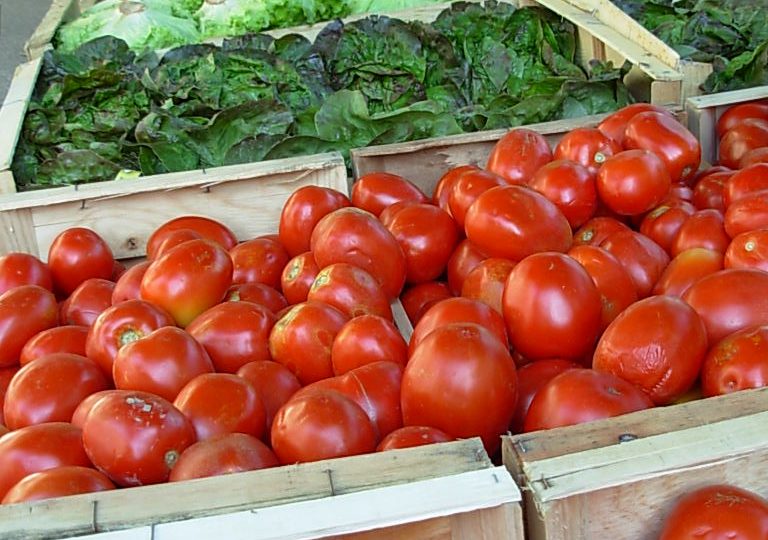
518	155
373	192
737	362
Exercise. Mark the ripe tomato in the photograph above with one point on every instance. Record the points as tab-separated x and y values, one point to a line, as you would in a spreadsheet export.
302	211
530	379
518	155
643	258
513	222
658	344
223	454
421	297
207	228
464	259
388	214
576	396
663	223
723	511
128	286
119	325
24	311
730	300
234	333
461	379
77	254
321	425
301	340
756	155
749	213
298	276
411	436
444	186
486	282
273	382
745	182
188	279
571	187
367	339
615	124
687	268
467	188
171	239
23	269
737	362
552	308
709	191
589	147
58	482
260	260
65	339
633	182
704	229
597	229
748	250
351	290
91	297
740	139
356	237
373	192
82	410
257	293
38	448
135	438
6	374
738	113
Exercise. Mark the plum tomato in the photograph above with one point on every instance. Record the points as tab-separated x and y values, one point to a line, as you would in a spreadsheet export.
77	254
745	182
643	258
351	290
736	114
419	298
24	311
171	239
66	339
91	297
223	454
58	482
518	155
589	147
373	192
530	379
687	268
597	229
633	182
260	260
274	383
749	213
207	228
257	293
23	269
463	260
571	187
748	250
367	339
704	229
412	436
709	191
615	124
754	156
466	189
747	135
301	213
128	286
444	186
737	362
298	276
663	223
486	282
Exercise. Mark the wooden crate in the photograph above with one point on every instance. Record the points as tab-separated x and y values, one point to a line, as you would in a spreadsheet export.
704	112
448	490
616	478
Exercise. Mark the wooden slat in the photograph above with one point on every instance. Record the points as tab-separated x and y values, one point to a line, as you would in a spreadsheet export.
61	11
14	109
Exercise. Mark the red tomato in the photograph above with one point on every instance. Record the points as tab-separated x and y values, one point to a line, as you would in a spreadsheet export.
615	286
388	214
356	237
709	191
738	113
23	269
171	239
64	339
260	260
730	300
486	282
745	182
461	380
298	276
257	293
530	379
749	213
91	297
464	259
740	139
223	454
321	425
118	269
589	147
301	340
82	410
682	192
687	268
367	339
658	344
302	211
663	223
207	228
420	297
633	182
24	311
58	482
467	188
373	192
597	229
704	229
411	436
643	258
77	254
615	124
513	222
576	396
128	286
351	290
445	185
571	187
748	250
737	362
234	333
518	155
188	279
722	511
120	325
756	155
274	383
50	388
38	448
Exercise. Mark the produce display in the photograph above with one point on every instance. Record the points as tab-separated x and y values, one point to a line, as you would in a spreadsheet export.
731	34
101	112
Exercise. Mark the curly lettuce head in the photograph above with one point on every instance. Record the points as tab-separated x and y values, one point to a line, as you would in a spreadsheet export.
217	18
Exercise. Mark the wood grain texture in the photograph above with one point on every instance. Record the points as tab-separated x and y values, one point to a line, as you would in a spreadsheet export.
61	11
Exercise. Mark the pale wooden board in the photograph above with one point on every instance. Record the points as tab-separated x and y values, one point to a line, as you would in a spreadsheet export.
14	109
61	11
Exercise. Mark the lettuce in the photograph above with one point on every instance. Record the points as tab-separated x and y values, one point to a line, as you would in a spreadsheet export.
231	17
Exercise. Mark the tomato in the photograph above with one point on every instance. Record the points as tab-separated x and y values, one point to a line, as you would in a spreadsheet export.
737	362
633	182
301	213
82	410
388	214
24	311
458	310
740	139
722	511
171	239
321	425
709	192
351	290
513	222
207	228
119	325
681	192
427	236
58	482
66	339
6	374
373	192
302	339
748	250
643	258
367	339
464	259
530	379
571	187
589	147
486	282
615	124
687	268
260	260
77	254
223	454
91	297
467	188
576	396
128	286
412	436
23	269
298	276
234	333
749	213
461	379
444	186
597	229
704	229
736	114
518	155
273	382
663	223
756	155
188	279
257	293
38	448
745	182
420	297
615	286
